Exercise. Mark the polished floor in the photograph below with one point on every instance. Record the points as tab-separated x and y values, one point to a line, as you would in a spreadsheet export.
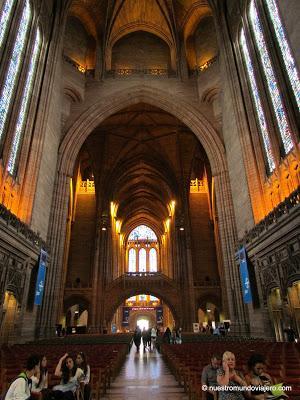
145	376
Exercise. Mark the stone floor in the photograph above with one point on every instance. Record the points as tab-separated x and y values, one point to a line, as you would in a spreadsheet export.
145	376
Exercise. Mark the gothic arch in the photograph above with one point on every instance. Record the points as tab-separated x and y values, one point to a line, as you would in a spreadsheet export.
117	295
85	121
95	114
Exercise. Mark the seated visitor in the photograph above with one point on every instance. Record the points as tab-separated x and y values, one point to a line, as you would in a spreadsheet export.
70	376
209	377
228	376
20	389
258	377
40	379
81	363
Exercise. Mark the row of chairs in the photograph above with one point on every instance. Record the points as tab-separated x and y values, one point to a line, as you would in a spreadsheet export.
187	361
105	361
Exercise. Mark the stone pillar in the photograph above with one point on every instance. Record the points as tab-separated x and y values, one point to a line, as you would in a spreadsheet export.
228	239
57	233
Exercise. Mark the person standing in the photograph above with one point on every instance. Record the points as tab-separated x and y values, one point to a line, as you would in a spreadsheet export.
153	336
145	338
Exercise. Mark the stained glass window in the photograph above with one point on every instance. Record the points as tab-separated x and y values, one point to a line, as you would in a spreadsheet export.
11	166
142	297
153	260
142	232
272	84
153	298
288	59
14	66
257	101
132	299
142	260
5	15
132	261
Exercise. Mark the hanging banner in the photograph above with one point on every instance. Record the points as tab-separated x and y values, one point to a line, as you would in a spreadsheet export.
247	295
159	315
40	281
126	312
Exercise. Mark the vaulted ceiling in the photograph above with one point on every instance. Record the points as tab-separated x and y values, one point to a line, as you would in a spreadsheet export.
109	20
143	158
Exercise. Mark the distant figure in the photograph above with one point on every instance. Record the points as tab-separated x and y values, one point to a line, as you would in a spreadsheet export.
167	336
137	338
153	336
145	338
149	338
20	389
216	331
222	330
290	333
174	335
209	376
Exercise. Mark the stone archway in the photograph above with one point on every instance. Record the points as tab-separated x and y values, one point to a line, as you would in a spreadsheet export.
85	121
116	294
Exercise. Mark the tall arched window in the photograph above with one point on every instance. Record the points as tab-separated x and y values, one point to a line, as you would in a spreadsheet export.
258	104
288	59
153	260
5	17
14	67
132	260
142	260
26	96
272	84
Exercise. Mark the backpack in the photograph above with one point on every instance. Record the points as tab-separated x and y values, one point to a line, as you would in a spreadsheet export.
21	375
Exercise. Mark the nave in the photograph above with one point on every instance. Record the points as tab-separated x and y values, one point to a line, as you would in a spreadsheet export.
145	376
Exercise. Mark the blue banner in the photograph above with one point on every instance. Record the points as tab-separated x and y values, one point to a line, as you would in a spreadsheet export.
40	281
247	295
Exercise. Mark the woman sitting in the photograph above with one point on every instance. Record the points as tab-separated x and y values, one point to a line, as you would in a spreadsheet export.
40	379
228	376
81	363
258	378
70	376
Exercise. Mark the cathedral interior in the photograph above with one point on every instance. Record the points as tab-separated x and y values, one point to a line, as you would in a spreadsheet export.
150	166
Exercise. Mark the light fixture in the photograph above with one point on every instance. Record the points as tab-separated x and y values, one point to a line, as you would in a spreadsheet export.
103	228
208	310
181	228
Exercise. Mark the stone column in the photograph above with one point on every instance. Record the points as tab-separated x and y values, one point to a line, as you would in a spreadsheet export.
56	238
228	239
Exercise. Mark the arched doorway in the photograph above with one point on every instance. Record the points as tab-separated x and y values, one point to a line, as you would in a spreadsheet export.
141	310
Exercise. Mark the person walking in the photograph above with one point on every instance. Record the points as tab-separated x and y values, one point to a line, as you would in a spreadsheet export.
137	338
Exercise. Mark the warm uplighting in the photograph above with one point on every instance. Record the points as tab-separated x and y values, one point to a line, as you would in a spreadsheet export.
81	69
172	208
113	209
167	225
118	226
